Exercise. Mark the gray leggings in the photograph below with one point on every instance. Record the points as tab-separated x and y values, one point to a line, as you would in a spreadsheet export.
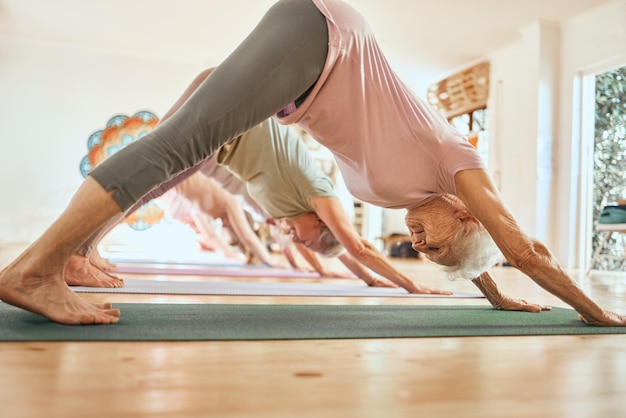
278	62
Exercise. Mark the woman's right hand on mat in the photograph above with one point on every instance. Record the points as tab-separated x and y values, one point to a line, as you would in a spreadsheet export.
607	319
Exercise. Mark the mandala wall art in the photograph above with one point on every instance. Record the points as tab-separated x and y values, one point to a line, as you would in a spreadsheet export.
120	131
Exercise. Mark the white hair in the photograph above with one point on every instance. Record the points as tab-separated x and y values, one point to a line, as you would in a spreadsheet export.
477	251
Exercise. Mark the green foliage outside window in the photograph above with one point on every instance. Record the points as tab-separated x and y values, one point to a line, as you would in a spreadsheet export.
609	174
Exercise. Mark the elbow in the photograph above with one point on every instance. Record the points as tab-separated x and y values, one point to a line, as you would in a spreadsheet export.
532	258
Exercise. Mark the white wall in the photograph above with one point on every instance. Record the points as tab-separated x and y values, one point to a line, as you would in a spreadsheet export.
513	125
52	98
522	108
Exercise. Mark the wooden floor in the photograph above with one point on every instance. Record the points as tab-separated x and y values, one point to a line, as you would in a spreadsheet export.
552	376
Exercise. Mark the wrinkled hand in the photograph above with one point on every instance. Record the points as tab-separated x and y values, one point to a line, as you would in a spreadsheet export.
606	319
381	283
510	304
423	290
336	275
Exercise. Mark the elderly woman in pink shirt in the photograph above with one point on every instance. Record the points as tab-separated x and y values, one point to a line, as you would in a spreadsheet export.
317	64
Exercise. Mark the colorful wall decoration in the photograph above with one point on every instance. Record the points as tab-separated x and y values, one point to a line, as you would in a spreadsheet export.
120	131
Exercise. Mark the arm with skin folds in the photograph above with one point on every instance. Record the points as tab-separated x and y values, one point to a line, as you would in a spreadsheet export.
499	301
476	189
330	211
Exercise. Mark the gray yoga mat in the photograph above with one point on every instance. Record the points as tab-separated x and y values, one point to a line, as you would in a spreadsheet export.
166	262
175	287
203	322
197	270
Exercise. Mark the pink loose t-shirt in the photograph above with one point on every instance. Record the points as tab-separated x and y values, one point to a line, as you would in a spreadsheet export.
392	148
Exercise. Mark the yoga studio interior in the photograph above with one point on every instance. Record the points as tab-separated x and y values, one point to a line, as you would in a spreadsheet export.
207	329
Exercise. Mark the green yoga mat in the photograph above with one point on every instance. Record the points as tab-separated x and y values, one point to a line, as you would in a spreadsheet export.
177	322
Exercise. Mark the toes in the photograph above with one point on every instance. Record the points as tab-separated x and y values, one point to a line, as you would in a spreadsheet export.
113	313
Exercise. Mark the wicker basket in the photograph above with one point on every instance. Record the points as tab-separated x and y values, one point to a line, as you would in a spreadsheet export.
462	92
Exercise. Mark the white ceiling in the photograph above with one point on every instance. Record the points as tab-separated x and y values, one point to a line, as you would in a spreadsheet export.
429	37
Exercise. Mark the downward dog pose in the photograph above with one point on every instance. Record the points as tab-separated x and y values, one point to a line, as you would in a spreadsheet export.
278	229
200	199
283	178
317	64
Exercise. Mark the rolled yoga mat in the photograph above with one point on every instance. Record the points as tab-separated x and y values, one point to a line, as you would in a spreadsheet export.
175	287
203	322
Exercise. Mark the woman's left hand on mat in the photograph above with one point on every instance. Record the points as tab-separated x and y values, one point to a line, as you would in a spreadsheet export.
510	304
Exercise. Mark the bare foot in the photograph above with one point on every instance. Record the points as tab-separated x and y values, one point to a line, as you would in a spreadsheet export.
101	263
47	295
80	272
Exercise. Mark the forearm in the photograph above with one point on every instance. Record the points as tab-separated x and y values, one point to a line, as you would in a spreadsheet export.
207	232
289	255
357	268
253	244
479	193
371	258
489	288
311	258
537	263
246	235
330	211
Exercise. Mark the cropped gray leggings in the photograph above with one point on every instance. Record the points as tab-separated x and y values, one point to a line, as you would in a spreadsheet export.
277	63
